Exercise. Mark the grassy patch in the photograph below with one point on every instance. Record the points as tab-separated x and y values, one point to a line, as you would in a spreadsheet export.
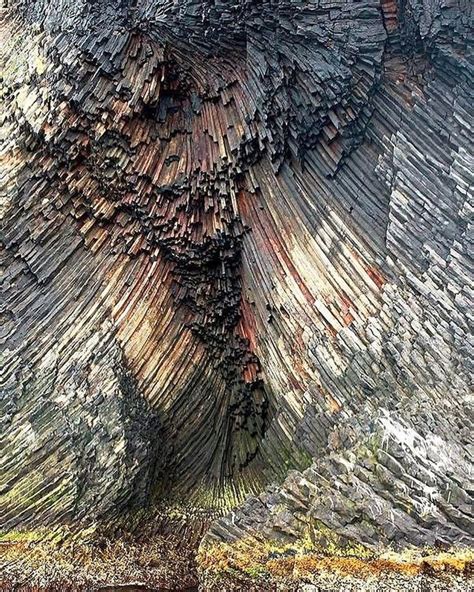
303	559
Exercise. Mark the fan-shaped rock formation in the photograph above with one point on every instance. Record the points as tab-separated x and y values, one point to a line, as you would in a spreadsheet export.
236	258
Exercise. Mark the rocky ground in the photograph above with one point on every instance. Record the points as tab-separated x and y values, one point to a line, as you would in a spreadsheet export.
155	557
171	557
237	257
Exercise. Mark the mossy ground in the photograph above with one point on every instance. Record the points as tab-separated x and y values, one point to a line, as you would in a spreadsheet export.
269	561
167	553
66	560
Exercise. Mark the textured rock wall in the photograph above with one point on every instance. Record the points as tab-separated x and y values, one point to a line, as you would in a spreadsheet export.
236	241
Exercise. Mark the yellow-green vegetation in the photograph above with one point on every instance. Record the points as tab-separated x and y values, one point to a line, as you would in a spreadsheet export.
46	536
24	536
327	542
29	493
159	558
205	498
210	498
327	552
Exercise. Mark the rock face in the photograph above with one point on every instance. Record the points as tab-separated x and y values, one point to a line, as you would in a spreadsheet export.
236	252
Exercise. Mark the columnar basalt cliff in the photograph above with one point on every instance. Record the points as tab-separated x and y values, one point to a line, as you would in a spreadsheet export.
236	258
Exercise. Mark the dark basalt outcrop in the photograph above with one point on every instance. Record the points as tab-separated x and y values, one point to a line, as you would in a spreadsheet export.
236	258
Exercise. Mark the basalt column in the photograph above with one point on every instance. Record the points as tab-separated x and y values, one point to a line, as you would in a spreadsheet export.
236	258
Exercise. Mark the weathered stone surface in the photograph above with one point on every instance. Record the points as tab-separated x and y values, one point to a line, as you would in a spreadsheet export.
237	258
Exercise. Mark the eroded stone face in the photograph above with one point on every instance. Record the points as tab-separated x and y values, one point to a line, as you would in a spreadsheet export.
255	218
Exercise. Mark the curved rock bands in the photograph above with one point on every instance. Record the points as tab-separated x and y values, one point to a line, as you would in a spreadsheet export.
236	242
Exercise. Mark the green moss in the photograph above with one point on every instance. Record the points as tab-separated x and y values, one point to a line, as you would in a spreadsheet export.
20	536
261	558
54	535
39	535
327	542
256	571
30	494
